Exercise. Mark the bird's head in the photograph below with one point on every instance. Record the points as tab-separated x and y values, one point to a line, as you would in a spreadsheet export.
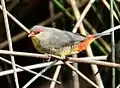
36	30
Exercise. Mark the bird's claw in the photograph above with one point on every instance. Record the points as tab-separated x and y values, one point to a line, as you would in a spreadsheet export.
49	57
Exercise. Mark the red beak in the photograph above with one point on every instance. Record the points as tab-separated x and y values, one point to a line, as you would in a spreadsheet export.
32	34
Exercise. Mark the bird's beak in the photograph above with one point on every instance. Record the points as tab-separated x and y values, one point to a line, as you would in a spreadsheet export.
32	34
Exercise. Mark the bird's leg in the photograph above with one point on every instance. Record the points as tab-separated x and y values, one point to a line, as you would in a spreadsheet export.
49	57
64	58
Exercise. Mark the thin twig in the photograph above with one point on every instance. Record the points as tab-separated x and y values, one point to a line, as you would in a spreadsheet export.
112	29
118	86
83	15
76	83
43	56
23	54
57	71
77	15
39	74
117	9
112	41
51	10
9	41
20	68
108	6
80	74
102	63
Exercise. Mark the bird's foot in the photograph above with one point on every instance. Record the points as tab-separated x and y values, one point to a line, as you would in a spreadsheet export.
49	57
63	58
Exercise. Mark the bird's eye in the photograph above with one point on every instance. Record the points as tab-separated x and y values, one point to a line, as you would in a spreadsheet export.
36	32
82	41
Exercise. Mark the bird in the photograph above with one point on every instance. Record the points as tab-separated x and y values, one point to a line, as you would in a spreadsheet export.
60	42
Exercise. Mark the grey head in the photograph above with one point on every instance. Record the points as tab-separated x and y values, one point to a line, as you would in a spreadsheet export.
37	28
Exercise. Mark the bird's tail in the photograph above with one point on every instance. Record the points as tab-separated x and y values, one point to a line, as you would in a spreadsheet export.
101	34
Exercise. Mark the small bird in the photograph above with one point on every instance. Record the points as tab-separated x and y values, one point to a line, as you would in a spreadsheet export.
59	42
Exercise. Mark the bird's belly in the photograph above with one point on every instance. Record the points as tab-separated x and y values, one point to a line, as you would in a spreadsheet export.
65	51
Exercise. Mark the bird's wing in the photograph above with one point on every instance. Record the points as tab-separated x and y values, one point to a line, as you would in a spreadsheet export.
71	38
